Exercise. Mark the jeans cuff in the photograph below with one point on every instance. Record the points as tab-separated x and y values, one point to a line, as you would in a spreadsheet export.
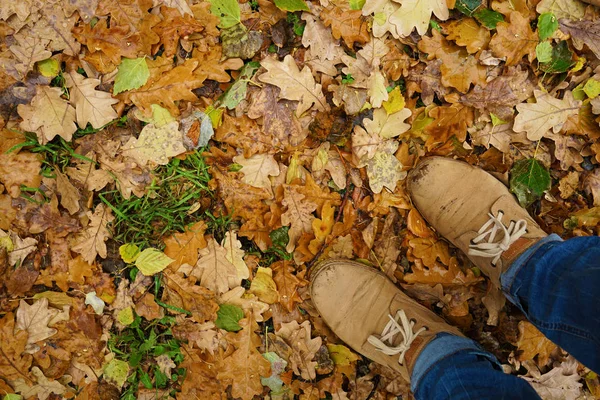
442	346
508	277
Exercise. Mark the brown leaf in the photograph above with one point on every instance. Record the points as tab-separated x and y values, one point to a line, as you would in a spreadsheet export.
183	247
583	32
212	269
18	169
449	121
298	215
514	39
173	27
28	51
468	33
288	282
304	348
34	319
69	195
345	23
533	343
91	106
113	42
182	293
244	368
14	363
90	242
438	273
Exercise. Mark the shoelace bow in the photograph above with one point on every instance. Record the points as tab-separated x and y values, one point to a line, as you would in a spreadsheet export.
399	324
494	249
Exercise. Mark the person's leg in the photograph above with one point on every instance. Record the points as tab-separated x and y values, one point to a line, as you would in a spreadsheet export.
453	367
557	284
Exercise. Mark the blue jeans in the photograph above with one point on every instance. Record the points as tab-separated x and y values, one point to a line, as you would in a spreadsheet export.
556	284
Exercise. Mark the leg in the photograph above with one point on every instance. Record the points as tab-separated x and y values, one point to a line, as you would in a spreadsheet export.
556	283
452	367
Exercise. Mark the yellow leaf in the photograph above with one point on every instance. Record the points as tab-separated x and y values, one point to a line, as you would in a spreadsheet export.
341	355
129	252
322	227
125	316
395	101
152	261
156	144
264	287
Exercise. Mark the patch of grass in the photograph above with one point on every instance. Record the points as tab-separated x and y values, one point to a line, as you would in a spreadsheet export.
179	190
139	344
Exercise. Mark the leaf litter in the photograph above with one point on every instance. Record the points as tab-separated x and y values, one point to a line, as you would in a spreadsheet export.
170	171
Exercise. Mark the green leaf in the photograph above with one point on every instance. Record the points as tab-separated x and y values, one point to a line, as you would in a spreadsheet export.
280	237
228	12
435	25
146	380
488	18
547	24
152	261
132	74
529	180
116	371
237	92
291	5
592	88
357	4
125	316
49	68
228	317
496	120
467	7
561	59
543	52
129	252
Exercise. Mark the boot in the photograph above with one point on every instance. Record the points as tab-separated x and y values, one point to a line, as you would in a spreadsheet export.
370	314
474	211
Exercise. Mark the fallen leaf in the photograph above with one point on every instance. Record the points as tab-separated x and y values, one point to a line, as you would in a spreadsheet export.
264	287
257	169
533	343
298	215
91	106
304	348
514	39
213	270
91	242
156	144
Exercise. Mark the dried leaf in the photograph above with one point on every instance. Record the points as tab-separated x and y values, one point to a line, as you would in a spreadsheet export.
91	242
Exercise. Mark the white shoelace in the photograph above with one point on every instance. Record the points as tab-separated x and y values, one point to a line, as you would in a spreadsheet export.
391	330
494	249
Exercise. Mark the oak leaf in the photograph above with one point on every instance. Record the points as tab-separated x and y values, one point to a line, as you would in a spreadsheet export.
583	32
441	274
14	362
298	215
257	169
235	254
416	14
533	343
384	169
113	42
18	169
166	88
48	115
468	33
429	250
213	270
294	84
570	9
318	38
91	105
304	348
537	119
288	281
238	296
91	242
452	120
175	25
156	144
183	247
181	292
28	51
69	195
34	319
244	368
128	12
345	23
43	388
514	39
264	287
387	126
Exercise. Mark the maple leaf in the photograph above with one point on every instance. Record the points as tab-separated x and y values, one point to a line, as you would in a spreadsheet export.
91	242
213	270
532	342
48	115
294	84
156	144
304	347
14	362
244	368
514	39
183	247
547	113
257	169
91	105
298	215
416	14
